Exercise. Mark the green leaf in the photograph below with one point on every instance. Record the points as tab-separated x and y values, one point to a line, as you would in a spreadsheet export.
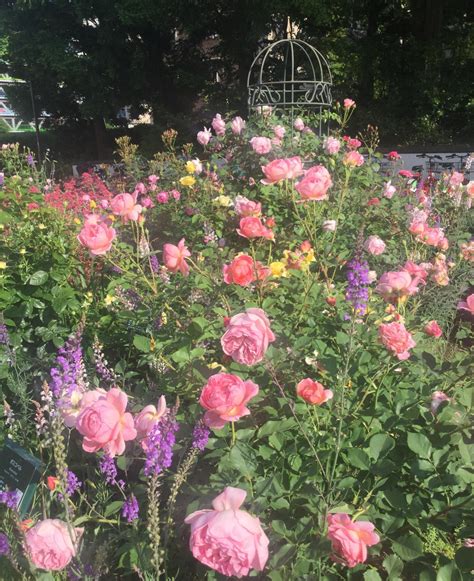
142	343
113	507
372	575
38	278
448	572
419	444
464	558
380	444
394	567
408	547
358	458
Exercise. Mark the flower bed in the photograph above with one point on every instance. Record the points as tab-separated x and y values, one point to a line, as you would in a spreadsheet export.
252	359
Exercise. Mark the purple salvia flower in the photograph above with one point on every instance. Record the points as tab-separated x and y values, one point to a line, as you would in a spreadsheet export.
30	159
357	291
108	468
4	545
130	509
159	445
200	436
4	337
10	498
154	264
73	483
67	373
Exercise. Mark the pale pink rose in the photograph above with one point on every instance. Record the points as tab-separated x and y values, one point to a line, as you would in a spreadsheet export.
348	103
433	329
140	188
237	125
433	237
437	398
389	190
315	184
468	304
313	392
96	237
439	270
106	425
51	544
332	145
397	284
227	539
153	179
282	169
247	337
225	397
174	257
329	225
162	197
148	417
125	206
299	124
374	245
72	404
242	270
397	339
245	207
204	136
176	195
456	179
353	159
261	145
198	165
251	227
417	270
279	131
372	276
350	539
218	124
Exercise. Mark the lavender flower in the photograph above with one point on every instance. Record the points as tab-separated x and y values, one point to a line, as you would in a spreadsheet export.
73	483
159	445
108	468
4	545
130	509
358	281
10	498
67	374
4	337
154	264
200	436
30	160
101	363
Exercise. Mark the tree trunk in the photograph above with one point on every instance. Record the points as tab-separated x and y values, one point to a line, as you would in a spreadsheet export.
100	138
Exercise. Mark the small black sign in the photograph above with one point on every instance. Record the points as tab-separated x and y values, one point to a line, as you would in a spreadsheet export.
19	471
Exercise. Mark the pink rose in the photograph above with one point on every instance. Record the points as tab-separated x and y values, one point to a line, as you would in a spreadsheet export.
374	245
204	136
125	205
153	179
329	225
433	329
106	425
261	145
470	189
389	190
353	159
96	237
50	544
332	145
72	404
148	417
176	195
437	398
174	257
245	207
468	304
279	131
227	539
416	270
456	179
242	270
397	284
315	184
247	337
237	125
299	124
147	202
350	539
225	397
218	124
397	339
252	227
162	197
313	392
282	169
352	142
348	103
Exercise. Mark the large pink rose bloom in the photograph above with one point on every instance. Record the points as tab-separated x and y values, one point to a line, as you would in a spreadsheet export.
241	270
332	145
225	397
227	539
204	136
247	337
252	227
374	245
396	339
261	145
125	205
174	257
97	238
245	207
49	545
353	159
218	124
350	539
397	284
148	417
282	169
106	425
315	184
468	304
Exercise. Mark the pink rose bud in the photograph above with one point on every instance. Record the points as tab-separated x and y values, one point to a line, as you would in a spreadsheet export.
299	124
148	417
350	539
237	125
174	257
313	392
204	136
162	197
433	329
218	124
348	103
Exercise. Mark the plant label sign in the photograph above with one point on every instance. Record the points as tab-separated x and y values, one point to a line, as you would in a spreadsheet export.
19	471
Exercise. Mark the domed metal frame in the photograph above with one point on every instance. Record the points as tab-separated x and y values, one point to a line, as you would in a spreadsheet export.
306	82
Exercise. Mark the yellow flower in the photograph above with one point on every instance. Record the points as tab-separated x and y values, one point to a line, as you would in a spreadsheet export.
278	269
111	217
92	204
41	226
215	365
164	318
187	181
77	221
2	226
223	201
3	265
109	299
23	251
190	167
